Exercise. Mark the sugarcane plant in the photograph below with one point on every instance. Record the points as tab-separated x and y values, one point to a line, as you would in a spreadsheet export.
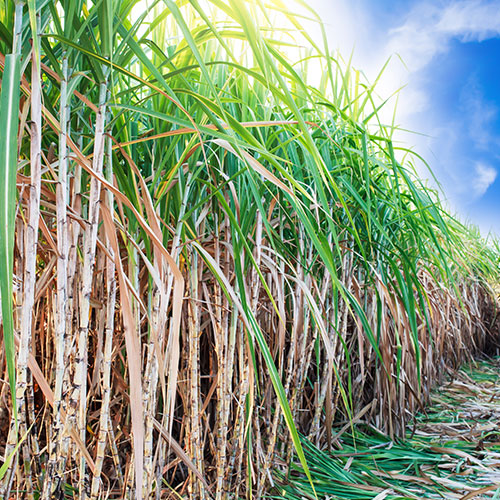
210	242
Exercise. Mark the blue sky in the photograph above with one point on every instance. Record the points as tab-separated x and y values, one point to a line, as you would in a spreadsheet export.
451	79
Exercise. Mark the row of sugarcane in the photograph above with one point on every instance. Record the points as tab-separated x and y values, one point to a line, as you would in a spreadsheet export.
206	254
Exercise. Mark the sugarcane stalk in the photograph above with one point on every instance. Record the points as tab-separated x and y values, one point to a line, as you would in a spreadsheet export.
340	320
306	361
34	447
72	299
31	242
194	438
104	418
62	283
150	391
79	396
220	315
166	418
239	455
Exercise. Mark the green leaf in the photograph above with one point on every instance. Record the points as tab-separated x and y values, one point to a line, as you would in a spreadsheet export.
9	109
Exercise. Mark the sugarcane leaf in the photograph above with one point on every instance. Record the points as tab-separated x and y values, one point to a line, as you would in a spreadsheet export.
9	109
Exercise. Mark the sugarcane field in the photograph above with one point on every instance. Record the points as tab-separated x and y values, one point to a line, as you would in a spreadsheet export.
227	272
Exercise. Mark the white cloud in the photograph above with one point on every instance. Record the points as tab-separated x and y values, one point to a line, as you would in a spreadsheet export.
471	20
485	177
413	42
429	28
426	33
480	115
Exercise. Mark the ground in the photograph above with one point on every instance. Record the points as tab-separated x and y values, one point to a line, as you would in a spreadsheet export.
451	451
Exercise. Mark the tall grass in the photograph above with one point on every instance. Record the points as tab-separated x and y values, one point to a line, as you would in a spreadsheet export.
226	254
